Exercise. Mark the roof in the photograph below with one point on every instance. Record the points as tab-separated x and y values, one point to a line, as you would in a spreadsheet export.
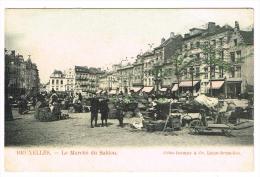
218	30
57	72
207	34
81	69
91	70
148	53
165	43
248	36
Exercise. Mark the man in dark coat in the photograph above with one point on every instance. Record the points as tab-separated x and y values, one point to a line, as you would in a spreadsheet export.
94	110
120	111
104	110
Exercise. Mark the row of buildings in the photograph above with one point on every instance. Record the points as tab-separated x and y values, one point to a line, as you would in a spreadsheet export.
79	79
216	60
21	76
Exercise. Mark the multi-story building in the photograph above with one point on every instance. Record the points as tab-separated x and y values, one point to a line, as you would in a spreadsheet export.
125	74
69	76
86	80
20	76
79	79
221	60
57	81
138	77
217	60
164	59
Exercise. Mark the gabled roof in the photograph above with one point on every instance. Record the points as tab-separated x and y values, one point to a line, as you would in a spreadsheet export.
248	36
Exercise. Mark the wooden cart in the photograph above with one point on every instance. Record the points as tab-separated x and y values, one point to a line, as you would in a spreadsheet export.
197	127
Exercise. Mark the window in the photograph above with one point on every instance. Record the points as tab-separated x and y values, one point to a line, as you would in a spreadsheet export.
222	55
191	72
221	41
238	72
206	57
206	43
235	42
197	57
232	72
213	71
185	46
213	42
197	71
57	81
221	72
191	45
232	57
206	73
198	44
238	55
61	82
52	81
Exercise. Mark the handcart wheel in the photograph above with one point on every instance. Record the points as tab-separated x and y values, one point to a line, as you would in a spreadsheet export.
194	126
227	132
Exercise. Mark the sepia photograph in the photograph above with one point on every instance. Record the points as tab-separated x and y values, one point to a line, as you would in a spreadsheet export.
82	82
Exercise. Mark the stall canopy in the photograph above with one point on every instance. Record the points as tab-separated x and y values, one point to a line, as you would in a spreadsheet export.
136	89
216	84
147	89
175	88
163	89
188	83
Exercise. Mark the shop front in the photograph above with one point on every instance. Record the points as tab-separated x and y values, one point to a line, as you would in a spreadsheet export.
216	88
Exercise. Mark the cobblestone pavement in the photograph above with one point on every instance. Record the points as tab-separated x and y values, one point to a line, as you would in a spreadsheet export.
76	131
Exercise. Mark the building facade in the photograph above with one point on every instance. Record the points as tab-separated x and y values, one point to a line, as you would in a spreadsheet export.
125	80
221	60
70	79
57	81
216	60
21	76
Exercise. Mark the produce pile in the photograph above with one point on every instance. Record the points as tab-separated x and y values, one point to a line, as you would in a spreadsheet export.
44	113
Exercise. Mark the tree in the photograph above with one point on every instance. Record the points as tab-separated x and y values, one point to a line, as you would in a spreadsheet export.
215	57
180	64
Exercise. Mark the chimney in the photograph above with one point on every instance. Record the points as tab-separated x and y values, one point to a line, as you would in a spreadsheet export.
237	25
162	40
172	35
211	27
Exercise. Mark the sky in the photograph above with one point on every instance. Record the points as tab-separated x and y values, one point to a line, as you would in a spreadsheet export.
62	38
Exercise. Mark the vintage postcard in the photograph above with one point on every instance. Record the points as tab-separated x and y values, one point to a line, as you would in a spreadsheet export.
129	89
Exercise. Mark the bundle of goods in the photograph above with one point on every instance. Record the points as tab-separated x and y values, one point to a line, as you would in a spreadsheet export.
152	126
207	102
162	108
44	113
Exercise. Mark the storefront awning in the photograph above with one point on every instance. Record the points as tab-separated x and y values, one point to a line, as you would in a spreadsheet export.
99	91
112	92
147	89
136	89
163	89
215	84
175	88
188	83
